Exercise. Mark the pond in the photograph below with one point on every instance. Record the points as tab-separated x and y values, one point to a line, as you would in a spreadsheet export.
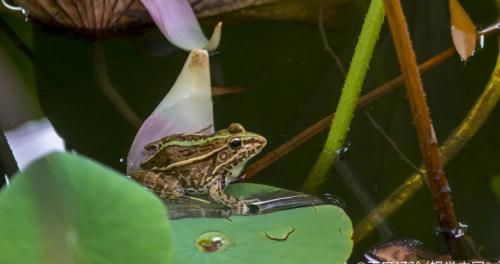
281	80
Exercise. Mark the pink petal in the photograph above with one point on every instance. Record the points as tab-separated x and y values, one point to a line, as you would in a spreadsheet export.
186	108
178	23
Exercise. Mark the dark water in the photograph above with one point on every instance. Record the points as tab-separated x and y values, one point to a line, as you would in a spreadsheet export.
289	82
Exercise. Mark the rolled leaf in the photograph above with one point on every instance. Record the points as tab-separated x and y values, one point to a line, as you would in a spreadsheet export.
463	30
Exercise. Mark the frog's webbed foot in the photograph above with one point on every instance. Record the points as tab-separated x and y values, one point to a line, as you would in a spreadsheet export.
245	207
216	192
166	186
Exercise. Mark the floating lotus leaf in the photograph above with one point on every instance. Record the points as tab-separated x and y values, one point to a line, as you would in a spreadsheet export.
311	234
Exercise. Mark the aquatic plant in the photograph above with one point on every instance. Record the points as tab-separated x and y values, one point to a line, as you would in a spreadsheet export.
97	89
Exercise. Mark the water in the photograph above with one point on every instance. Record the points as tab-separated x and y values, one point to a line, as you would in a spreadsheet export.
289	82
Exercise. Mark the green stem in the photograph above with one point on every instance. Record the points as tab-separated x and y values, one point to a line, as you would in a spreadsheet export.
349	97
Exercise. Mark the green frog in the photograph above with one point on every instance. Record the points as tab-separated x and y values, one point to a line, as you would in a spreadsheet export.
197	164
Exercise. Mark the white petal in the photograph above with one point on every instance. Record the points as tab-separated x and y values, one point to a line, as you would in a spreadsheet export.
186	108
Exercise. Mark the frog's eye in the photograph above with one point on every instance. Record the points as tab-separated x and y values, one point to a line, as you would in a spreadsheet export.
235	143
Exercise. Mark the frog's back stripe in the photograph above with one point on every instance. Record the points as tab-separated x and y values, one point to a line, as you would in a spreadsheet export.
158	144
196	141
175	153
195	159
200	143
200	139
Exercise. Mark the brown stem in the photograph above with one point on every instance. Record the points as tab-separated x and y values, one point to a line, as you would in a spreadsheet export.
436	178
324	123
109	90
450	148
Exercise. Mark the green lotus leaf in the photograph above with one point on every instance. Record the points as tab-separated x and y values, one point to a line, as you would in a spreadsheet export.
312	234
67	209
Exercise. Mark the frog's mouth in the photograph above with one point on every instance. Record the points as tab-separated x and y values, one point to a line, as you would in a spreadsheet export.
254	145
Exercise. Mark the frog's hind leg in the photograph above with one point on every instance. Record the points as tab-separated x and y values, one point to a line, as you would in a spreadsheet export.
171	188
216	192
166	186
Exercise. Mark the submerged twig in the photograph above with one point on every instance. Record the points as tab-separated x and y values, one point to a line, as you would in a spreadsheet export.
490	30
451	147
436	178
326	44
324	123
349	97
109	90
393	144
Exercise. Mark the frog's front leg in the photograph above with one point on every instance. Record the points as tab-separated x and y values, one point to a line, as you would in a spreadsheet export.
166	186
216	192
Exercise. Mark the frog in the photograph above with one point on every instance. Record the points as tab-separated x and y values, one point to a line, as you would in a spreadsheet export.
199	163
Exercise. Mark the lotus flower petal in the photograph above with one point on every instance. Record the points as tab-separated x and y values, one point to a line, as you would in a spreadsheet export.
178	23
186	108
